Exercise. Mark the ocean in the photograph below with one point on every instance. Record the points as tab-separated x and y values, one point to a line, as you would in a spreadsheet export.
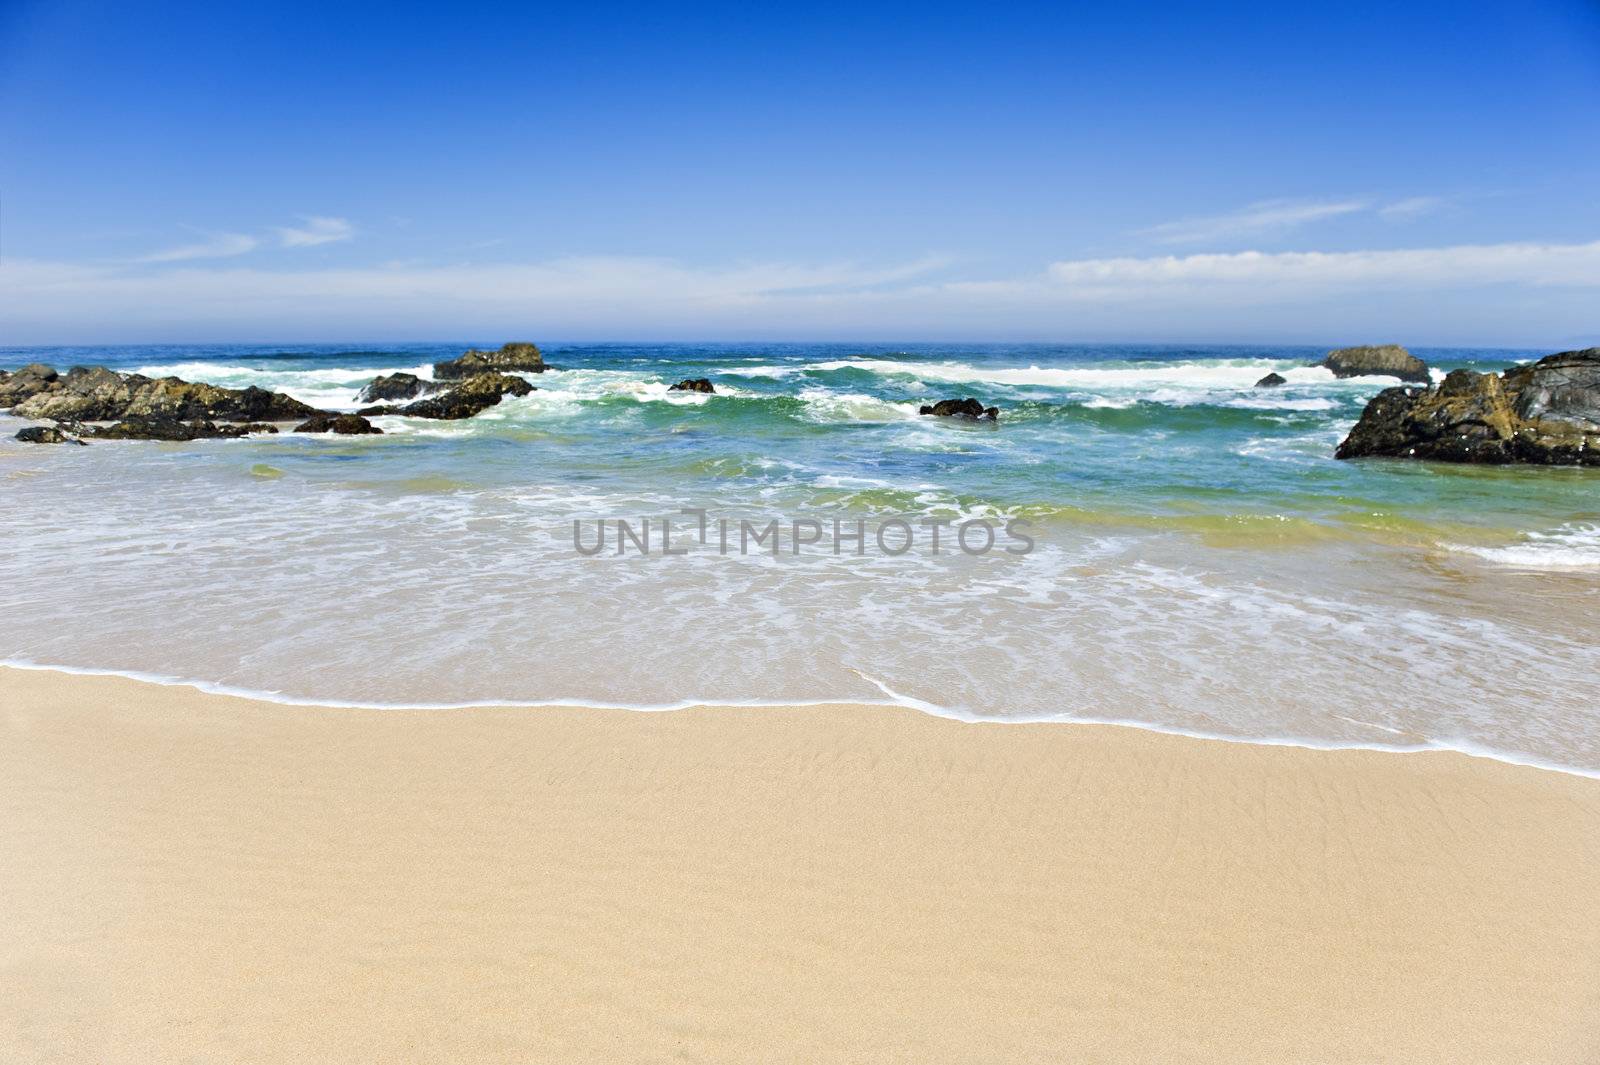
1171	546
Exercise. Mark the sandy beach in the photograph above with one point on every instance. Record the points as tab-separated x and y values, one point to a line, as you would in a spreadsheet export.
196	878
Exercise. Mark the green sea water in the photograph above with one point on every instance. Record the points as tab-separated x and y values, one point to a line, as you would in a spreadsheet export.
1201	561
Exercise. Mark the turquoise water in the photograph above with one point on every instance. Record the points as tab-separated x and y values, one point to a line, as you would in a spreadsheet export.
1201	561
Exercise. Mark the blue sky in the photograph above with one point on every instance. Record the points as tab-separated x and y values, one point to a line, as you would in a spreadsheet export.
1165	172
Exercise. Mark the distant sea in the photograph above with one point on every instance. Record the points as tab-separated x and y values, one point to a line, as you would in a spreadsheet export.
1199	562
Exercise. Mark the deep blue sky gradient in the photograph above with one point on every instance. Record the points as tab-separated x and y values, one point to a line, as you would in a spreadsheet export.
989	140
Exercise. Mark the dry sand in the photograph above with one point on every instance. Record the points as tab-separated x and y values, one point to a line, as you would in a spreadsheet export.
194	878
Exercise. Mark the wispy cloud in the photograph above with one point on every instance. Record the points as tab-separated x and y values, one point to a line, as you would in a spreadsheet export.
1275	218
1261	275
1267	216
314	230
212	246
1412	207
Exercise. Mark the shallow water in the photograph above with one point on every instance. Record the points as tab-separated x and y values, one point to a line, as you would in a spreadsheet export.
1200	561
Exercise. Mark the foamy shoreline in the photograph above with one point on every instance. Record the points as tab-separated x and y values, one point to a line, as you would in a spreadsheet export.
894	700
188	876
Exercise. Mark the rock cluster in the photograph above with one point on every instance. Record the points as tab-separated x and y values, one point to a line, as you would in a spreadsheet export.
166	428
519	356
476	393
961	408
1546	413
96	394
1382	360
343	424
692	384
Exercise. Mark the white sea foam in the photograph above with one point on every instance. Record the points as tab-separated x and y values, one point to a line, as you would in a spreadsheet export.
825	406
1208	374
1571	547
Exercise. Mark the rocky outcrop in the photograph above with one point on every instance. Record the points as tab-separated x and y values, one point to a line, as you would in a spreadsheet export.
167	428
1545	413
397	386
961	408
46	434
1382	360
519	356
1272	380
692	384
32	379
475	394
96	394
342	424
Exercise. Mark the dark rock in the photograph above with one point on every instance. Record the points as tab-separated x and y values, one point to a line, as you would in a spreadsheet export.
1272	380
477	393
1383	360
519	356
46	434
961	408
94	393
1546	413
29	381
166	428
1559	388
343	424
692	384
397	386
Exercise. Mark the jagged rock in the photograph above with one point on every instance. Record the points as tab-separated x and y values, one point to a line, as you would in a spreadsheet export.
477	393
94	393
175	398
1272	380
1382	360
692	384
343	424
517	355
961	408
1546	413
86	393
46	434
168	428
1561	388
397	386
32	379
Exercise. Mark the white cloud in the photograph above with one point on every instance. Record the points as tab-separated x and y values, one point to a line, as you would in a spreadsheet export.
316	229
213	246
1267	216
1484	294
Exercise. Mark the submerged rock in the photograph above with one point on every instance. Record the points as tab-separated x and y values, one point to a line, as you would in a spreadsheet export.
1272	380
343	424
46	434
1382	360
475	394
961	408
95	394
517	355
1544	413
168	428
692	384
397	386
